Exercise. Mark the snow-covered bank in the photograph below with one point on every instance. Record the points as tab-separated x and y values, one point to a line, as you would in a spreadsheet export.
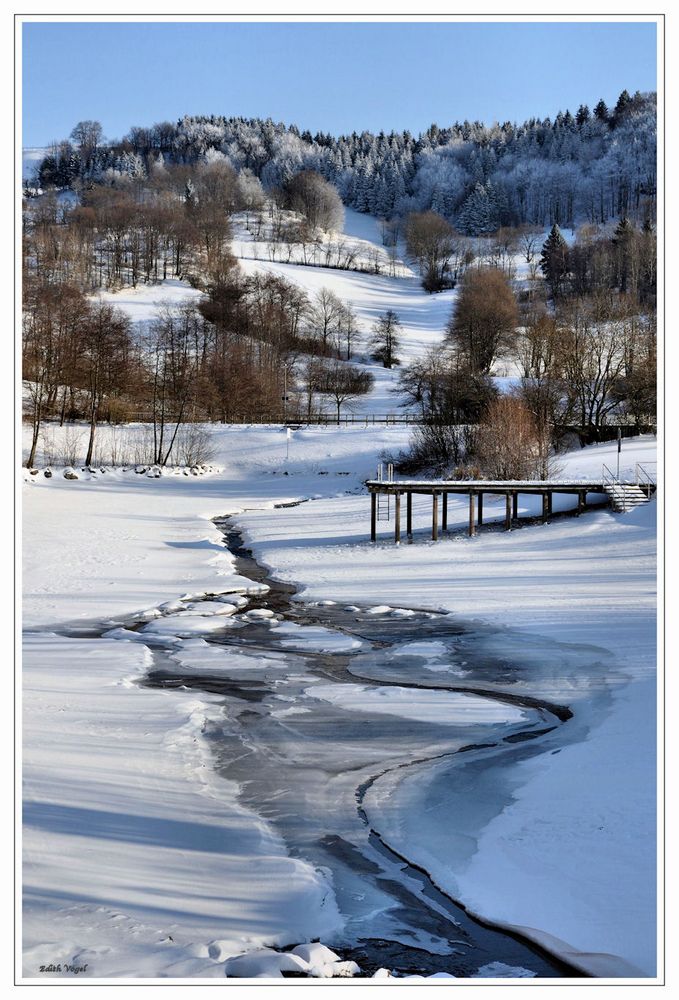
113	543
577	845
569	851
137	860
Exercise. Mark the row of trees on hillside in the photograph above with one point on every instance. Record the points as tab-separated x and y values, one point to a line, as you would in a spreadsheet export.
626	261
227	356
175	223
588	165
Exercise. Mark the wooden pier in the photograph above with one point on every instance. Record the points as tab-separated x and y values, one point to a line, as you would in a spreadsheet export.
476	490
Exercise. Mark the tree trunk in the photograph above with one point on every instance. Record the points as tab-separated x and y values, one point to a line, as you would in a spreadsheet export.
93	427
180	417
36	434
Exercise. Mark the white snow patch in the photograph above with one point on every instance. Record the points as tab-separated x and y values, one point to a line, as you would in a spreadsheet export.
135	854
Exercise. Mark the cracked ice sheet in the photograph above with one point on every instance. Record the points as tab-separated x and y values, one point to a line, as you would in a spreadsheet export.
442	707
130	840
486	827
314	638
200	657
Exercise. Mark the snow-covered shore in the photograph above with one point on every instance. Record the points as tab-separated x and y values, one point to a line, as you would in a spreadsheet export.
138	861
570	857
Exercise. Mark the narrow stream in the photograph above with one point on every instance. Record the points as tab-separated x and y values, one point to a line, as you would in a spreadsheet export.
305	735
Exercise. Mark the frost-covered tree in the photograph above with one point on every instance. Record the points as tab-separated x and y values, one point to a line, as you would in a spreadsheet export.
398	173
317	200
479	213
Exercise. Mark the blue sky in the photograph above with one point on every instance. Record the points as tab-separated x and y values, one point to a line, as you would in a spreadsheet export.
331	77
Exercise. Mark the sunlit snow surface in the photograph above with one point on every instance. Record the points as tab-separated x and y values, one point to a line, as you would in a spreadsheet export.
167	814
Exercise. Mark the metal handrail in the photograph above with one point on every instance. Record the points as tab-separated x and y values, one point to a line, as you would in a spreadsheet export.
609	479
607	476
644	479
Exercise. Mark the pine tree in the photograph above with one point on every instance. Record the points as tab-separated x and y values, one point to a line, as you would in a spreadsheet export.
623	231
386	338
601	111
479	213
623	241
624	102
554	260
583	115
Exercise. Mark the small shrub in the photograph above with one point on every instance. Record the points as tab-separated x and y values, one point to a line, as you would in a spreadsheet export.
72	445
437	447
194	445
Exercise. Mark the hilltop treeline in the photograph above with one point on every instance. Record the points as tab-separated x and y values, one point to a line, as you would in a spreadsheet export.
591	166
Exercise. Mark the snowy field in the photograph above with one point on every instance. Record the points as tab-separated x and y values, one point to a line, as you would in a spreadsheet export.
124	851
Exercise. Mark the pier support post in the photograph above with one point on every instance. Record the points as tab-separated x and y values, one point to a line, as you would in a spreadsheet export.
434	517
550	497
508	512
581	501
480	517
409	516
397	518
373	517
472	526
444	513
515	506
545	508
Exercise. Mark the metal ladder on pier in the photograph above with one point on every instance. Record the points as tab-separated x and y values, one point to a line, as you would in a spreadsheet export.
384	499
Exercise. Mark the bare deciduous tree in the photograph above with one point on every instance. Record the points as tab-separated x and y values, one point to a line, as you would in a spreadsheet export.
509	444
484	320
325	317
318	201
103	359
431	242
342	382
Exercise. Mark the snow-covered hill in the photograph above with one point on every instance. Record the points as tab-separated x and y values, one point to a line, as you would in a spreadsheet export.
423	317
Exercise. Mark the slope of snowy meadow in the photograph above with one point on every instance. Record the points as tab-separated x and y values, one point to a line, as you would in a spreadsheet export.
563	851
423	316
